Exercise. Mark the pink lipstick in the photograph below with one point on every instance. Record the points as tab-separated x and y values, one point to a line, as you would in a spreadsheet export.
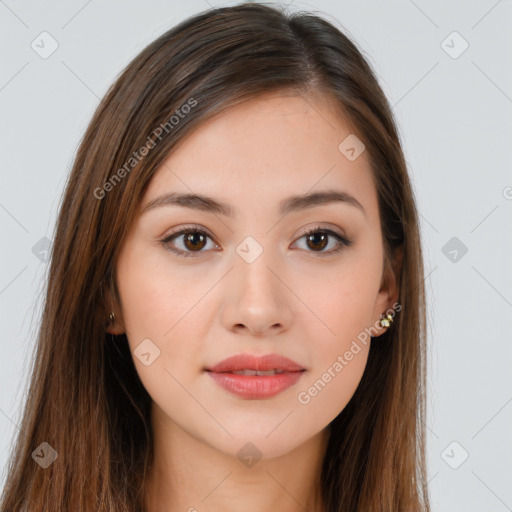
253	377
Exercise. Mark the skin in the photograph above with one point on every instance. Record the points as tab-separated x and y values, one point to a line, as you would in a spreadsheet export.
294	300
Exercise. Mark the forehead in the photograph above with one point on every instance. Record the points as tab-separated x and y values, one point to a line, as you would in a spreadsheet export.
264	149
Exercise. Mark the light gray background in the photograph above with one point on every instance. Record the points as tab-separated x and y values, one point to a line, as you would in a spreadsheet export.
455	120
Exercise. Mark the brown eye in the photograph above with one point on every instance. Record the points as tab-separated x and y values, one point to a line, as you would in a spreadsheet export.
317	240
194	240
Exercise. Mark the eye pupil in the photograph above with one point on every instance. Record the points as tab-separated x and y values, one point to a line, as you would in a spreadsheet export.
313	236
190	237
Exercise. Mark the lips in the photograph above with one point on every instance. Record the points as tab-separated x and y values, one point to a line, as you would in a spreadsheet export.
252	377
264	363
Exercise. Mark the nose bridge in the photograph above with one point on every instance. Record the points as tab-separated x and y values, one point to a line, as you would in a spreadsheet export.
257	297
254	260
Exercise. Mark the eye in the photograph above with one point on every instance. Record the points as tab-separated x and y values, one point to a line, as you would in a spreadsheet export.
318	238
195	240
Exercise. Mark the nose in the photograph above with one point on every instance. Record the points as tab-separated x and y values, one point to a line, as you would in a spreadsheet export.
257	300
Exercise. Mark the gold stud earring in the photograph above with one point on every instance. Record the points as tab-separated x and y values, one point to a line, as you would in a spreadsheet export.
386	321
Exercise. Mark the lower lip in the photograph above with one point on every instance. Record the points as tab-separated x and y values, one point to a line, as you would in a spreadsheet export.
256	386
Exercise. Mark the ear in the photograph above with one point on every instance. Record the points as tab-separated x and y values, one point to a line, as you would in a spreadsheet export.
117	326
389	289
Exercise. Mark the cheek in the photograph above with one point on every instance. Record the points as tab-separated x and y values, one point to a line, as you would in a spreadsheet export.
342	301
156	298
341	346
340	352
327	392
161	304
159	326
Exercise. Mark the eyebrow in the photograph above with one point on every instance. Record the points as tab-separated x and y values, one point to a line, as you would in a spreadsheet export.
291	204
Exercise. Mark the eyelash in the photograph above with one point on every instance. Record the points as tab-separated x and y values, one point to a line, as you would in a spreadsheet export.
343	242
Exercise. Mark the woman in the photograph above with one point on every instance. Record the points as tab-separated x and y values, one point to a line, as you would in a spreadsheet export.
235	312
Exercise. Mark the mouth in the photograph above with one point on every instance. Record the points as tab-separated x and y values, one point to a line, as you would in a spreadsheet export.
252	377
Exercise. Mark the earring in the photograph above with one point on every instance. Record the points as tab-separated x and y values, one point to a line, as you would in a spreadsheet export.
386	321
111	318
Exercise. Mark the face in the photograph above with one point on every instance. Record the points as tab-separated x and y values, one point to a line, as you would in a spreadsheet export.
200	284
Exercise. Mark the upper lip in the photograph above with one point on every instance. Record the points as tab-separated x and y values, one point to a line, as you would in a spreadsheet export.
261	363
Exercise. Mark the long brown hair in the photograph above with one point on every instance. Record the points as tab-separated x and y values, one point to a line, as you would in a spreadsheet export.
85	398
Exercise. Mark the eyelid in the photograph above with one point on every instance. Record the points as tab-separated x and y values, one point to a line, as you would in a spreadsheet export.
323	227
187	227
303	231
